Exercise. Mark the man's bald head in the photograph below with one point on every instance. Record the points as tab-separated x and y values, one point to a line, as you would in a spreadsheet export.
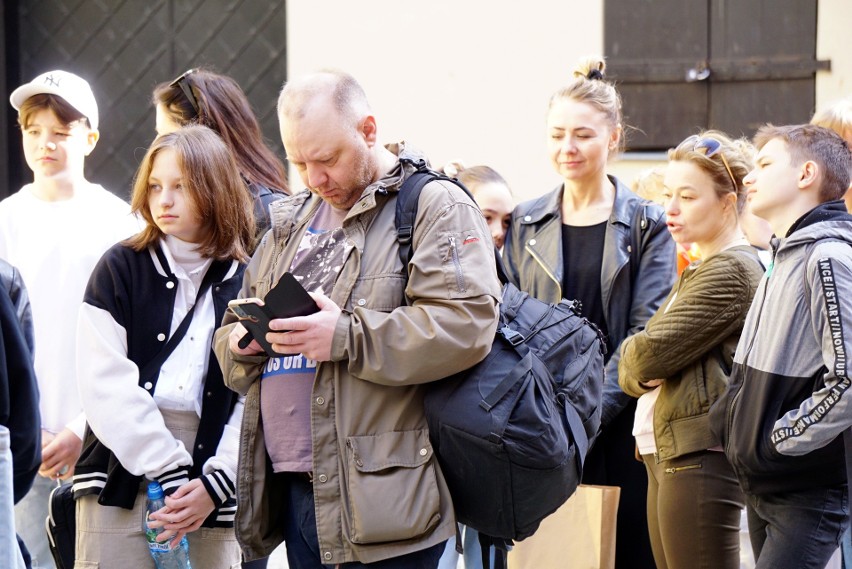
345	93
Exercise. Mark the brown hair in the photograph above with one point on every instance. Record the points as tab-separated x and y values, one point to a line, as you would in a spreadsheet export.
476	176
739	155
63	110
215	189
223	107
591	87
808	142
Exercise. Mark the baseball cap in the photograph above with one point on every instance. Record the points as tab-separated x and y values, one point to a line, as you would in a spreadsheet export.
75	90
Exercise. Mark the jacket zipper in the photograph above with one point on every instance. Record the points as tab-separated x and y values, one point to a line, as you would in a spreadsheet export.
457	264
676	469
745	361
545	269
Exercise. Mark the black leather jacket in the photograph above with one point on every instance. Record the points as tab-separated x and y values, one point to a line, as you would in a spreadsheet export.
533	258
11	280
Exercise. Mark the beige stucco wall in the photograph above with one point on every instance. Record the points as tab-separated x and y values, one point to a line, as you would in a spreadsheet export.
470	79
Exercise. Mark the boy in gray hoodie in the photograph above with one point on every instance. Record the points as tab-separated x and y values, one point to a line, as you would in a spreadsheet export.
788	395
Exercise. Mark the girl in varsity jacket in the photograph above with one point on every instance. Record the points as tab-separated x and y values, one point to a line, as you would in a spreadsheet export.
175	421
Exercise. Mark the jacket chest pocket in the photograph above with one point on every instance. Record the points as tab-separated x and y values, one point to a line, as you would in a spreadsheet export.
382	292
392	487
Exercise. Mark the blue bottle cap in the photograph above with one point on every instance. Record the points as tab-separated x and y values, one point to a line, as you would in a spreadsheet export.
155	491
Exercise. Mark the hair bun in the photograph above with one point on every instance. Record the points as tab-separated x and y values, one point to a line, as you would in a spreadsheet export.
453	168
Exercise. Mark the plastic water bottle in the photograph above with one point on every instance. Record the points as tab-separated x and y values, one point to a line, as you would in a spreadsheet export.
165	556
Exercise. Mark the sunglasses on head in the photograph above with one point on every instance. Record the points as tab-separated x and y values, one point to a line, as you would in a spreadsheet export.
182	83
709	147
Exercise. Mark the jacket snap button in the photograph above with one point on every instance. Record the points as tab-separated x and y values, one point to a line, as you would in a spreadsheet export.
423	452
170	284
327	555
320	400
362	301
148	385
200	446
161	336
532	241
322	478
527	218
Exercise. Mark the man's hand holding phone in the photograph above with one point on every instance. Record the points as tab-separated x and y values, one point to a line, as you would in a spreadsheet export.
286	300
311	335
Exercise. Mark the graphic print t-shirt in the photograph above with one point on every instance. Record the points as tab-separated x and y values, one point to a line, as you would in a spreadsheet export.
287	381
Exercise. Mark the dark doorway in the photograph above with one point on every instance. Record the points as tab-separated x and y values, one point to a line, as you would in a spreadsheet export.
124	48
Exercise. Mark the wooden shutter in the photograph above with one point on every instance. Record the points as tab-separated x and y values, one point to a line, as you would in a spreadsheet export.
684	65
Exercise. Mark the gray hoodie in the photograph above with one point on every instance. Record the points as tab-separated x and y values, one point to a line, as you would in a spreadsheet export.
788	396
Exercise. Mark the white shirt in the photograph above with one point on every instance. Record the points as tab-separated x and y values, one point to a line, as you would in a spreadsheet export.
55	246
179	386
643	418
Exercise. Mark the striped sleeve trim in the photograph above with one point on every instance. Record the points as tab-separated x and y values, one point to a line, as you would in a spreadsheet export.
86	484
226	514
219	486
173	479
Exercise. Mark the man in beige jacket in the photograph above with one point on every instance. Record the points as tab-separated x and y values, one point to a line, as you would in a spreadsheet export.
335	456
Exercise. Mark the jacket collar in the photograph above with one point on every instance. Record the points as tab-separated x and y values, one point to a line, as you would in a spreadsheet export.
828	211
550	205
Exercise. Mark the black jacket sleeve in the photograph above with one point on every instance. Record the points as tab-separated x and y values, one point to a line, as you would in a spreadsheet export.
18	396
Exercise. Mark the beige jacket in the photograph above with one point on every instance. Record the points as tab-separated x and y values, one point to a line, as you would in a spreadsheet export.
379	491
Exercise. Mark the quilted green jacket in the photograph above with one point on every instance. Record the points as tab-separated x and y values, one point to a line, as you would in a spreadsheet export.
689	343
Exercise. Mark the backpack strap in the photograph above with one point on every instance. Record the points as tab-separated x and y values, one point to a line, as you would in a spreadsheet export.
407	201
215	273
406	207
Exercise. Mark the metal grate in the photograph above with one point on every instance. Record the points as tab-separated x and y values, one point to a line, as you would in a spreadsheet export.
124	48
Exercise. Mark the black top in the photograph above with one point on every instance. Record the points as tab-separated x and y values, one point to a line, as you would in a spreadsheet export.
582	258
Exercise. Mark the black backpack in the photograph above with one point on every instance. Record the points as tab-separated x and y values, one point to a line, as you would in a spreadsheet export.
511	433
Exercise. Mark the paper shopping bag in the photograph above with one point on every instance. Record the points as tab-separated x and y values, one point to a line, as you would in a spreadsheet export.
579	535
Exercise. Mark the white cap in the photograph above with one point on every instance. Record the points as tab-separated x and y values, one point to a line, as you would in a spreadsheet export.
75	90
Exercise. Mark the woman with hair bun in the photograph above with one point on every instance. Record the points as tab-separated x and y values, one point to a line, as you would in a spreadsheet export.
593	240
679	365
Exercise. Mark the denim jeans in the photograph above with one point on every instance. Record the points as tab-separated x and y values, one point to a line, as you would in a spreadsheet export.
30	514
10	553
300	536
797	529
472	551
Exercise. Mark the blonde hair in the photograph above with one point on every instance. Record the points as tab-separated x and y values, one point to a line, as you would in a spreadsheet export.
837	117
648	184
591	87
738	154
